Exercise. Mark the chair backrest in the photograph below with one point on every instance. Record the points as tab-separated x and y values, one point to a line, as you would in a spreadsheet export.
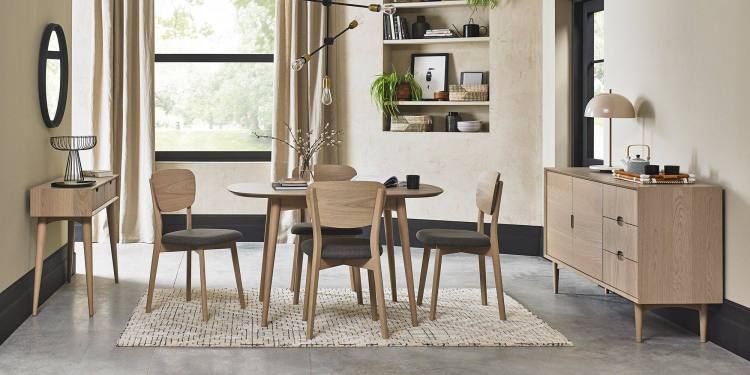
333	172
346	204
173	189
489	190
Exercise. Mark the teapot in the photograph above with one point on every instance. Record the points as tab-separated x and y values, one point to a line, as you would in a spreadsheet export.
636	165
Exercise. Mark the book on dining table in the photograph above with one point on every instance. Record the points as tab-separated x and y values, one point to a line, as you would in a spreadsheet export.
290	185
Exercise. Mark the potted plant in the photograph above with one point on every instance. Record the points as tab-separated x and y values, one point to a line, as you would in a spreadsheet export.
482	3
389	88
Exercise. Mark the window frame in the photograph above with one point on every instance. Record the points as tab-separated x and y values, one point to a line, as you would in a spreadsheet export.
213	156
583	81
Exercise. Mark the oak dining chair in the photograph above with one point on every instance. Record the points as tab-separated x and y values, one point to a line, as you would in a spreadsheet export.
451	241
174	190
303	230
345	204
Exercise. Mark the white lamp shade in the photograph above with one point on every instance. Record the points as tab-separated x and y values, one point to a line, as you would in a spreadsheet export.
609	105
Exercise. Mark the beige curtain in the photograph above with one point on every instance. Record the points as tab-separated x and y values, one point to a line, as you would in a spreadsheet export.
300	27
117	83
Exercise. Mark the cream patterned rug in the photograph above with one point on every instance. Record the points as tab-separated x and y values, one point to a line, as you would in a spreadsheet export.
340	322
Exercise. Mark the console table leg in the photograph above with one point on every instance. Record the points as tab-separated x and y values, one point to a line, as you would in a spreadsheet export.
41	234
87	250
71	251
639	310
703	313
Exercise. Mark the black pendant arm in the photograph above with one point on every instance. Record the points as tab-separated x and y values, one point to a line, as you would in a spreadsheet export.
328	41
372	7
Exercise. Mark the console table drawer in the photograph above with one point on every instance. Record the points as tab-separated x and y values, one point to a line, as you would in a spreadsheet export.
620	272
104	192
621	204
619	236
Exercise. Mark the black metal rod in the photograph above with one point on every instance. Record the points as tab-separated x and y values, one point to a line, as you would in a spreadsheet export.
326	44
327	3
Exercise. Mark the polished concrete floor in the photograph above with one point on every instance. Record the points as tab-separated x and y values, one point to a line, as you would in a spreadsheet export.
63	340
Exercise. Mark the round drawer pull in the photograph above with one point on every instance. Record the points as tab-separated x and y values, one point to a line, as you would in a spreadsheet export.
620	221
620	255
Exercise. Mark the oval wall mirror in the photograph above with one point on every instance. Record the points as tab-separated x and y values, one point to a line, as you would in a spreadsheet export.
53	75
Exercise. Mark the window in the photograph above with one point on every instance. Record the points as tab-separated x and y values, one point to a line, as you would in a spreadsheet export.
588	78
213	79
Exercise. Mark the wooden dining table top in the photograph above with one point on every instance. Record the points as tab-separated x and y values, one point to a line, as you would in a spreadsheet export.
265	190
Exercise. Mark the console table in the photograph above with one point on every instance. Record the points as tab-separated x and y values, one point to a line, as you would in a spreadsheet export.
655	245
50	204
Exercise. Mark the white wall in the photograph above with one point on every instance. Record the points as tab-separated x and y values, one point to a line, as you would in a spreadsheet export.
454	161
25	154
686	64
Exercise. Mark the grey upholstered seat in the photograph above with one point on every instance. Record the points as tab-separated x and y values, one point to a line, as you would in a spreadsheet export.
305	229
200	237
342	248
453	237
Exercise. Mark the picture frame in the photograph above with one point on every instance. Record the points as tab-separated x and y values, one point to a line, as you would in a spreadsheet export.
430	70
472	78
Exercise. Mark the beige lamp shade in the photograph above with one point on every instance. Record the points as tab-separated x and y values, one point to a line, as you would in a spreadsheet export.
609	105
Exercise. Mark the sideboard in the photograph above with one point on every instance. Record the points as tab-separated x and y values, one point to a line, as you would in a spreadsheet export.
655	245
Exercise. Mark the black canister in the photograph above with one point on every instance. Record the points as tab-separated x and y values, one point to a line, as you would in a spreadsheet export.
419	28
451	121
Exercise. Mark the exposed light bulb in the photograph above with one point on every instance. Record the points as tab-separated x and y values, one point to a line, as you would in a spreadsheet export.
327	97
298	64
389	9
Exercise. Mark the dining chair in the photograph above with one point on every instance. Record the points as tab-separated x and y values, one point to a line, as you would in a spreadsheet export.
345	204
174	190
451	241
304	231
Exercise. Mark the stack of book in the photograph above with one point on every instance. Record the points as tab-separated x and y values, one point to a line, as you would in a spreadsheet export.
97	173
438	33
290	185
395	27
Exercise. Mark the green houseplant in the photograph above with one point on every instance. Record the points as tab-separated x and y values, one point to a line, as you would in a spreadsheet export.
482	3
388	88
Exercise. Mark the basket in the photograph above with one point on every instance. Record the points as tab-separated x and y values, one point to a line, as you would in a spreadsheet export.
411	123
469	93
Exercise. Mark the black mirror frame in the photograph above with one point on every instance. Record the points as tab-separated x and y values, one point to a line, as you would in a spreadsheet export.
44	55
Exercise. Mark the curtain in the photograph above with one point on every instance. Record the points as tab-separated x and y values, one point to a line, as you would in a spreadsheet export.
116	66
300	27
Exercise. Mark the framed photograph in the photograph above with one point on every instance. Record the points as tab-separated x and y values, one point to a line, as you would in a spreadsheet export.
430	70
472	78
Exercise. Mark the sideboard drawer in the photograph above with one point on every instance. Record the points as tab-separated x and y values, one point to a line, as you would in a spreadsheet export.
621	204
620	236
620	272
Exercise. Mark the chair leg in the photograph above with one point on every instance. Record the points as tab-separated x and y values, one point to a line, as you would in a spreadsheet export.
297	278
306	302
313	295
204	292
357	278
238	275
152	277
483	280
381	300
423	274
498	283
388	224
295	257
435	283
373	297
189	276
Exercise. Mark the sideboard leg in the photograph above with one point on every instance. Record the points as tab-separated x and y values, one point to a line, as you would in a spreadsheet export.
703	313
639	310
555	277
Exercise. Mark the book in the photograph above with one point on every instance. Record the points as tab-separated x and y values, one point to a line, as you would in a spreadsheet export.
290	185
97	173
397	24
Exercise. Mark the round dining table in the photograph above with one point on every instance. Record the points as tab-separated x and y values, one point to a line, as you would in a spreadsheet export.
279	200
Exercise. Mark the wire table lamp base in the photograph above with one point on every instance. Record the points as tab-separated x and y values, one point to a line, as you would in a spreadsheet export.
73	170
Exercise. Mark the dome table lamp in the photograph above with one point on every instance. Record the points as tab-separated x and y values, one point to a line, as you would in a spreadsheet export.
609	106
73	171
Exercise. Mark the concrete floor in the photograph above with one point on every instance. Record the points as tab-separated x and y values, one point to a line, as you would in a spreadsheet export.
63	340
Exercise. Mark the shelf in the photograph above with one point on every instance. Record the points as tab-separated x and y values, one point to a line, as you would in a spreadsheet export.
430	4
443	103
480	39
438	132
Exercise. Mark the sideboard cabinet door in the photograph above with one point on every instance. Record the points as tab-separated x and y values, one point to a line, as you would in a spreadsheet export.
559	210
587	227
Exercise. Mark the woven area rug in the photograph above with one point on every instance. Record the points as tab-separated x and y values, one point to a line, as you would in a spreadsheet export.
340	322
